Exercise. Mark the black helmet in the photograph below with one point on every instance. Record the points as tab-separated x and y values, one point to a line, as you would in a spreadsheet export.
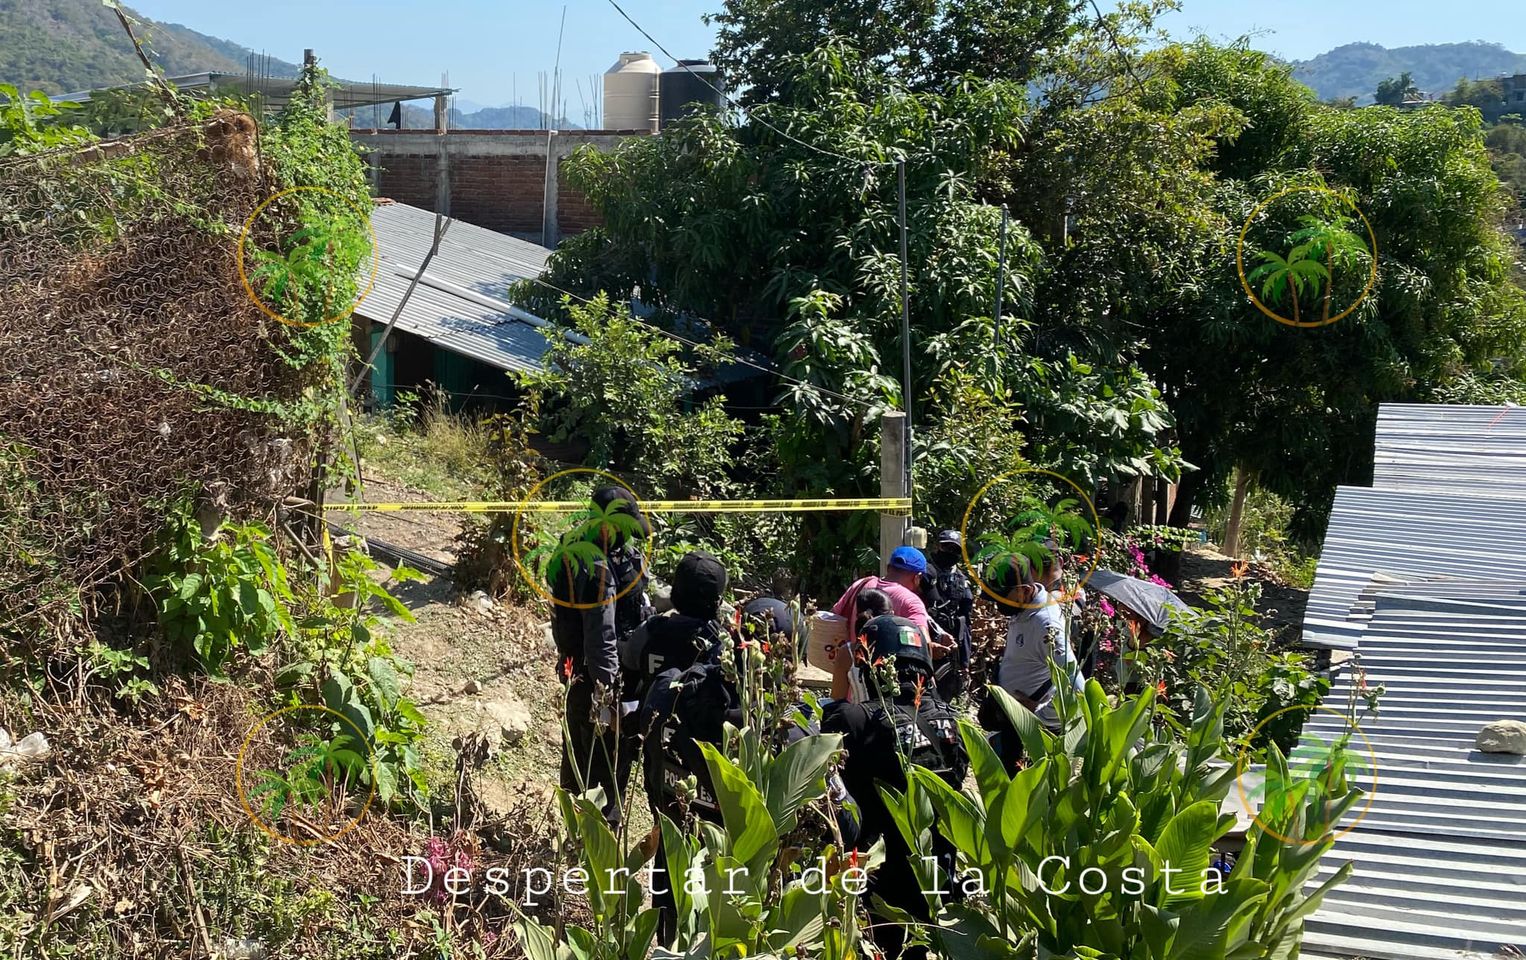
605	496
698	585
891	636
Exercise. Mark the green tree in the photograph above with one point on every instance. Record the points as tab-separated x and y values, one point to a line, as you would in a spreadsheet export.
791	245
1296	407
1393	91
927	44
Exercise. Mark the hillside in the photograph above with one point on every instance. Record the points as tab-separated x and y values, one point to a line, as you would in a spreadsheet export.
60	46
64	45
1354	70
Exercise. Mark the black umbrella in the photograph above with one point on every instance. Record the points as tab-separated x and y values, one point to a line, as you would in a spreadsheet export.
1152	602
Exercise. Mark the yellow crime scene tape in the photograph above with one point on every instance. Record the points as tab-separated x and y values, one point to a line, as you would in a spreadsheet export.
899	505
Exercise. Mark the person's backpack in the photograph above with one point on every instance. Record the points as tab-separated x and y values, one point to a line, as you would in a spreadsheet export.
666	642
683	709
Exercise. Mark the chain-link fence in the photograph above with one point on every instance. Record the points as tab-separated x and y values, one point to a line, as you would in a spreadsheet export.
133	366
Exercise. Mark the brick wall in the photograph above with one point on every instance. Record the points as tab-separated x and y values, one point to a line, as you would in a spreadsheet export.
497	177
574	213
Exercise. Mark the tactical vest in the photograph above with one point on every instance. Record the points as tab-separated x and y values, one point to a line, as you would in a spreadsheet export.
683	709
621	566
670	641
928	736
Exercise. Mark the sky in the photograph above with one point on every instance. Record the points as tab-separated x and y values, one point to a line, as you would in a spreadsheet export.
495	51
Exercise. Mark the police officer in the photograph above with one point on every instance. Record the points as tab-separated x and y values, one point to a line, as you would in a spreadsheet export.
600	602
950	600
900	719
687	634
687	704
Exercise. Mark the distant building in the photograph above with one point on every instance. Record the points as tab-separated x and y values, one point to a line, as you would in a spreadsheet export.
1514	91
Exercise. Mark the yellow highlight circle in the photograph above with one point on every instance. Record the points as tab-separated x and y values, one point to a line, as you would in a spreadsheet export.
243	239
1372	278
1243	763
964	539
515	549
243	797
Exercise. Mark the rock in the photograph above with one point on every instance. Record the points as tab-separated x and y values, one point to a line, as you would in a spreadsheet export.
242	949
33	746
482	603
511	717
472	686
1503	736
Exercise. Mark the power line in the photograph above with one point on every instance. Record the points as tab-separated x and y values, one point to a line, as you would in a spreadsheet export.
753	116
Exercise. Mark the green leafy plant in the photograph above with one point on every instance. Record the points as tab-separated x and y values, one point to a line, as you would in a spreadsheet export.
126	670
1103	845
32	122
1281	276
341	658
1027	535
1224	647
314	769
220	594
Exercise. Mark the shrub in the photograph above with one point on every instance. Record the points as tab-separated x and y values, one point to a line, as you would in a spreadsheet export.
1225	648
1118	804
218	594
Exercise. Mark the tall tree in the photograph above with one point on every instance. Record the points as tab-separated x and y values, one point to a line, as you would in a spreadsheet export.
925	44
1395	90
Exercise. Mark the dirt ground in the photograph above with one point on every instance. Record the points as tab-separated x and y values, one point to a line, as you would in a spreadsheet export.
1204	568
480	666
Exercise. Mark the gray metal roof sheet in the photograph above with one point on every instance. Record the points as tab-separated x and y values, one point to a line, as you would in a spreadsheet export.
1440	857
1446	448
1408	535
461	302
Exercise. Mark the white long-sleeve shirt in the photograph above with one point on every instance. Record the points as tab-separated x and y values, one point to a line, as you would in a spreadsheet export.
1036	636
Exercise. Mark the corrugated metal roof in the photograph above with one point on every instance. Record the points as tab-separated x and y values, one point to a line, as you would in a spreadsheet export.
1440	857
1442	448
460	303
276	91
1413	536
1424	577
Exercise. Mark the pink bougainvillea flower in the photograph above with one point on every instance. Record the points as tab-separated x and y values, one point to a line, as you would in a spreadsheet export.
1107	607
1159	582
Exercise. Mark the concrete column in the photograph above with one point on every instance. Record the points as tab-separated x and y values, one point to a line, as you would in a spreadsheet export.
549	233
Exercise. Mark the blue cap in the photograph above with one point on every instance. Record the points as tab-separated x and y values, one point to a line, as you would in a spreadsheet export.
909	559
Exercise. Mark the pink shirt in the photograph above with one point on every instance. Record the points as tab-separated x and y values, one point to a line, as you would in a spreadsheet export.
903	602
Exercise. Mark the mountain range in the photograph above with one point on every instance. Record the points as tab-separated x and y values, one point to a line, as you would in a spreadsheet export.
63	46
59	46
1354	70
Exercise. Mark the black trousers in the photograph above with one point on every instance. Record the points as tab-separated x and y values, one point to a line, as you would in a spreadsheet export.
592	757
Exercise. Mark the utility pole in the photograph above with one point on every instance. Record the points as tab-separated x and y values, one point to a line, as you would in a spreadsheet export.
892	480
900	169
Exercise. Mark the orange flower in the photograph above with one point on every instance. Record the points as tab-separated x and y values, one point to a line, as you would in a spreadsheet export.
567	669
1237	569
1160	688
917	701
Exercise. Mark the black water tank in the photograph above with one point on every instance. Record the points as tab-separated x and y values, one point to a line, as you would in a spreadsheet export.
690	82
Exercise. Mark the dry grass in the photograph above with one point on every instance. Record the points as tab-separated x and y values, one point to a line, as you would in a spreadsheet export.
129	841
